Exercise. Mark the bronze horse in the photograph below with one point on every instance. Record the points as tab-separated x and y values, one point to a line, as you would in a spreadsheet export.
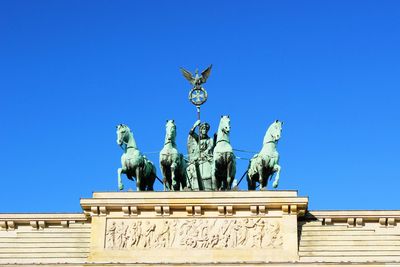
134	164
264	164
172	163
224	161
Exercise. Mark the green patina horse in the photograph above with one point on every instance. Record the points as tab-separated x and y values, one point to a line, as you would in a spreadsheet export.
224	161
134	164
264	164
172	163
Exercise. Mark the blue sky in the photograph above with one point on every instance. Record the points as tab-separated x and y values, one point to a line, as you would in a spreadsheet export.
70	71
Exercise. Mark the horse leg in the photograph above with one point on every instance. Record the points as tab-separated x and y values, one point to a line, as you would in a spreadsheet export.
232	170
229	179
175	184
165	180
215	179
251	185
277	169
214	185
151	179
120	184
183	173
183	179
249	176
149	186
138	179
261	176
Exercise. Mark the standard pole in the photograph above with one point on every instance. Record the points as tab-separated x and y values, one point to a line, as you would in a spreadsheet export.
199	165
198	117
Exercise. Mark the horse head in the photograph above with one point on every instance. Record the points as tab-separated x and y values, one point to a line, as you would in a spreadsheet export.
225	124
170	132
274	132
122	134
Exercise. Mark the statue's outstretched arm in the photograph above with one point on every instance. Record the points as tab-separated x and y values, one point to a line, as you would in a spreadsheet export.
197	123
192	133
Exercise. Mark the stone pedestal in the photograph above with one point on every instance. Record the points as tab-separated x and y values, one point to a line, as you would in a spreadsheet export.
194	227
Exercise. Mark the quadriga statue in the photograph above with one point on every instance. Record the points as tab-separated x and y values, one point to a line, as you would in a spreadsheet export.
264	164
134	164
172	163
224	161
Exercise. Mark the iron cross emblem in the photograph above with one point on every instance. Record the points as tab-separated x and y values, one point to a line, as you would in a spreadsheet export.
198	96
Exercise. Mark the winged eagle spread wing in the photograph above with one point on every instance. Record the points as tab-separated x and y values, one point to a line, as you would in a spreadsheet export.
188	75
205	74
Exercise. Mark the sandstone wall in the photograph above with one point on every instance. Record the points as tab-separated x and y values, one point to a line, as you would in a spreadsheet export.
350	237
44	238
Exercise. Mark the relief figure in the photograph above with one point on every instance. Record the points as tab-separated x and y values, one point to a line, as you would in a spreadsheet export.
110	235
148	234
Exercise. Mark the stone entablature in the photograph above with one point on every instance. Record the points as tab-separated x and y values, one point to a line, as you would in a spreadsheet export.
195	204
357	218
247	228
215	226
39	220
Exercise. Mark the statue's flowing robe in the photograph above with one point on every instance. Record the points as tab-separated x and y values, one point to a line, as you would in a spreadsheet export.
204	164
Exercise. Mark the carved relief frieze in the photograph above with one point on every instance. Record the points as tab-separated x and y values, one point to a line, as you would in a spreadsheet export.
125	234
